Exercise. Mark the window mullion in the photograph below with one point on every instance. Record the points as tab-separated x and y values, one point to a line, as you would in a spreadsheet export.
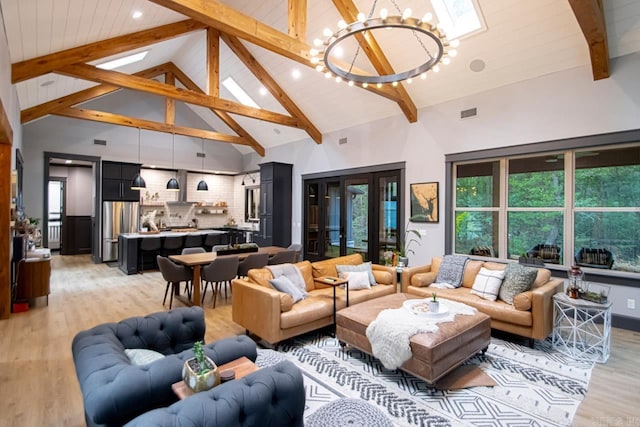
502	215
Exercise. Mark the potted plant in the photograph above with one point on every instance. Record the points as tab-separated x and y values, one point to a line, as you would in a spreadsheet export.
411	236
434	304
200	373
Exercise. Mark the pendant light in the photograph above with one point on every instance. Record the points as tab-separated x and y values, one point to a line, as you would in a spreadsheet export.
138	182
173	184
202	185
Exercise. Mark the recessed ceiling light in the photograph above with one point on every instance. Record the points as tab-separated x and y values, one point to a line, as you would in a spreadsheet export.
136	14
263	91
68	162
239	93
296	74
152	166
125	60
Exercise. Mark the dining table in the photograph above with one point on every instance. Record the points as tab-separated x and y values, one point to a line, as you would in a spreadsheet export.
198	260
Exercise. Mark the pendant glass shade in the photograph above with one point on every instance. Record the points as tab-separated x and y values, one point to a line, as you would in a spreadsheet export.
202	186
173	185
138	183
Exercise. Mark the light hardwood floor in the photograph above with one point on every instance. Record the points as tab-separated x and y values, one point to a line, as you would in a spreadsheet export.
38	386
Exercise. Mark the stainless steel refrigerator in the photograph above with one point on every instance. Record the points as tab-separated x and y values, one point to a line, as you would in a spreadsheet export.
117	217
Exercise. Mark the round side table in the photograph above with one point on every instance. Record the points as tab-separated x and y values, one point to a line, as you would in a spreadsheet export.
581	328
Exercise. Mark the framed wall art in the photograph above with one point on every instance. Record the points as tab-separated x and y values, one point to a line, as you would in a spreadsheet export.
424	202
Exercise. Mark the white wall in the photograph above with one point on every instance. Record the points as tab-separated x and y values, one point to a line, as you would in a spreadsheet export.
8	93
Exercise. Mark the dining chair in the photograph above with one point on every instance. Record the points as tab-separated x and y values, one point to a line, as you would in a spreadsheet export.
220	270
297	247
216	248
252	261
148	245
187	251
174	274
283	258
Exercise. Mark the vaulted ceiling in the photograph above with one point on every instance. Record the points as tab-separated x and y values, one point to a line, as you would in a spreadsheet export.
194	45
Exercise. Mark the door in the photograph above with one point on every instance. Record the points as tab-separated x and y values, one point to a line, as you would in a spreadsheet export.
356	217
56	212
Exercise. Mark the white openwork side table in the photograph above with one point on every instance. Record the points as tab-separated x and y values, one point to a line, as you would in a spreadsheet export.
581	328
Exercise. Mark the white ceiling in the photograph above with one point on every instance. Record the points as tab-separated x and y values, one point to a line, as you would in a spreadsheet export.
524	39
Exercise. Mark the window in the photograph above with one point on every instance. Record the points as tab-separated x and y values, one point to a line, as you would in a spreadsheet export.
579	205
459	18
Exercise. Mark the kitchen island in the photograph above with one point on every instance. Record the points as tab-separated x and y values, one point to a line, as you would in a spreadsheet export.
129	245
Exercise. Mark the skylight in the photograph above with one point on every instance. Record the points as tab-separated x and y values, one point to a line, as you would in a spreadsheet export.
121	62
459	17
239	93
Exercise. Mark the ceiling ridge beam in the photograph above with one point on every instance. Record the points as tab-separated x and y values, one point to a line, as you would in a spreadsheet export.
349	12
590	17
271	85
89	72
223	115
117	119
41	110
40	65
228	20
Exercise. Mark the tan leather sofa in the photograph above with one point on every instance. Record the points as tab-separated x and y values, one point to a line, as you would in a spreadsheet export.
531	314
273	316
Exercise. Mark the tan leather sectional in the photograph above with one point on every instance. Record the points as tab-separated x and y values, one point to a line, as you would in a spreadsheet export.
531	314
271	315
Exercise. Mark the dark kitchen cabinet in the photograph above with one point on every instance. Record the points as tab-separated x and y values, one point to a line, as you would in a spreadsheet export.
116	181
275	205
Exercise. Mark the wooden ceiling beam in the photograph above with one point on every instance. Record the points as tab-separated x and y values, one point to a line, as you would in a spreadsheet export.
590	16
41	110
41	65
89	72
297	19
349	12
116	119
213	62
224	116
228	20
170	103
271	85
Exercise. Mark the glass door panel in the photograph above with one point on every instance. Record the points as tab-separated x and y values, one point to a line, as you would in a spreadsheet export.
332	216
356	224
388	215
312	215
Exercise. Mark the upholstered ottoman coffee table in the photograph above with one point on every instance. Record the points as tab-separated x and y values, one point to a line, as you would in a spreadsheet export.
434	354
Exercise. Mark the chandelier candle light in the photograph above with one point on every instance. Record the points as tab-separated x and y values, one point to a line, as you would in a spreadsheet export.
432	40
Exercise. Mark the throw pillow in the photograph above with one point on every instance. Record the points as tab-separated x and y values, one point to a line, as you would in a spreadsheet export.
517	279
487	283
357	280
452	270
283	284
365	266
142	356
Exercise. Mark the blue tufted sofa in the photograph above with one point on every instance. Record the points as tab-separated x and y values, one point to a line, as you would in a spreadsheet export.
114	391
271	396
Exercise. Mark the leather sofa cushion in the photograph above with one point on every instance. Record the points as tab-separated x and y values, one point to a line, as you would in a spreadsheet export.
383	277
522	301
314	307
327	267
471	270
543	277
286	302
423	279
489	265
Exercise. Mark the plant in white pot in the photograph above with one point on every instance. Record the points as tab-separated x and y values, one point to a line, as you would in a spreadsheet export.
434	304
200	373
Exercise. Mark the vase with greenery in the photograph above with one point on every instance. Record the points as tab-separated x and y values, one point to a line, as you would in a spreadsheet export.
411	236
200	373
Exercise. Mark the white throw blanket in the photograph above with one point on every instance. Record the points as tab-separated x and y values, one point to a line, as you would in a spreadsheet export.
390	333
291	272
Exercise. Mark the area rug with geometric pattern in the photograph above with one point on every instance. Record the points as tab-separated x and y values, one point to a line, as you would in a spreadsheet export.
533	386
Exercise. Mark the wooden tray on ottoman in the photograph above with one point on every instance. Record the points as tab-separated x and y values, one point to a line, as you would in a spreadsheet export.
434	354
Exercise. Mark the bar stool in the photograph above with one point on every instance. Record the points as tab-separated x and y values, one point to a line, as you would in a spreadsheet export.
192	241
210	240
172	245
148	245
